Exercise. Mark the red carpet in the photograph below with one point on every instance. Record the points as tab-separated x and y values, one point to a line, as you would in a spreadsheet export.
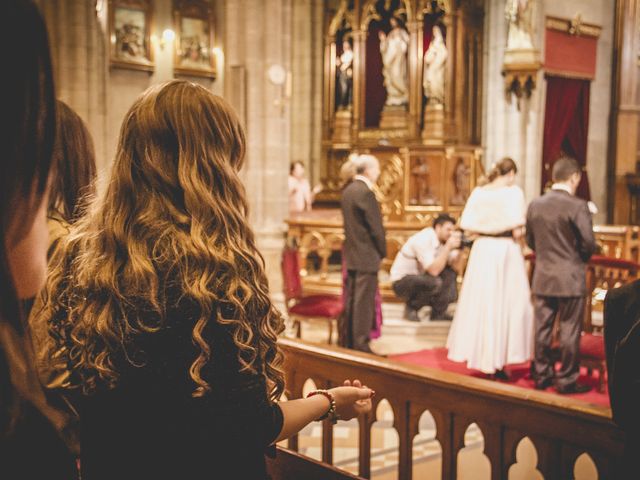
437	358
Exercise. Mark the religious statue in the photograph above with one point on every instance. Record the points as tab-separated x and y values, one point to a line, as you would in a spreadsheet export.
519	15
421	178
461	183
393	47
433	73
345	76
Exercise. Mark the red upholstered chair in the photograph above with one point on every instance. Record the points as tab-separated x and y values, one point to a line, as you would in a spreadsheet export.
603	274
304	307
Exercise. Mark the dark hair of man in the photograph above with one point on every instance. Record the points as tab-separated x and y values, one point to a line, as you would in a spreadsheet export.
74	161
563	168
26	143
292	167
442	219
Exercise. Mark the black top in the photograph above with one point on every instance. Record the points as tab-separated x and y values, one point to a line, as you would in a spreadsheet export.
364	238
560	231
150	426
622	344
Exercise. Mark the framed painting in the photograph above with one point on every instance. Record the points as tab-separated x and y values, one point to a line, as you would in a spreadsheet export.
130	34
194	38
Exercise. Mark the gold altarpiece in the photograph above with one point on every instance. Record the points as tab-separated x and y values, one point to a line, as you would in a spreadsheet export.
430	155
429	151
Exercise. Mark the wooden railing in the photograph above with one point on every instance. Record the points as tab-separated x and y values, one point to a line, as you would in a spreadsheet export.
560	428
320	232
289	465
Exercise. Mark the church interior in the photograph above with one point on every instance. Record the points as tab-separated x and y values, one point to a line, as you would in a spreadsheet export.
438	91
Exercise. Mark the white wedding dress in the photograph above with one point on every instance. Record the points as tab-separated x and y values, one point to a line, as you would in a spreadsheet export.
493	323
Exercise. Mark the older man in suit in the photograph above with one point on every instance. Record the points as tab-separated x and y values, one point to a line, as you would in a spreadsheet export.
364	249
560	231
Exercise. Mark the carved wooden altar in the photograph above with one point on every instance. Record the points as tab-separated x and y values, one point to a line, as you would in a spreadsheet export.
360	121
429	148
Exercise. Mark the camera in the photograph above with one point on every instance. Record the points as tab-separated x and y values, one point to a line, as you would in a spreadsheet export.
465	242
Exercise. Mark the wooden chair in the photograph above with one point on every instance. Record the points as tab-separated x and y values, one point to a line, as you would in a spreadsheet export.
306	307
603	274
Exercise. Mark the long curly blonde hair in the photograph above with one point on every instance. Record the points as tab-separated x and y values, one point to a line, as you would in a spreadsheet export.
174	215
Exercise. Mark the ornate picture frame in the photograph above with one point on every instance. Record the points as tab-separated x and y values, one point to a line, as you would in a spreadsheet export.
194	25
130	26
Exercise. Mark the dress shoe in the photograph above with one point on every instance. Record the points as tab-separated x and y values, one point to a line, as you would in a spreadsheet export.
501	375
573	388
543	384
411	314
367	349
447	317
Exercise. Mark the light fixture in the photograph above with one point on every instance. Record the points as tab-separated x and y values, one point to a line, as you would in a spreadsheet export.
168	35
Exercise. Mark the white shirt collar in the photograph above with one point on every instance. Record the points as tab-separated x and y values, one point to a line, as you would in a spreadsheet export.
364	179
561	186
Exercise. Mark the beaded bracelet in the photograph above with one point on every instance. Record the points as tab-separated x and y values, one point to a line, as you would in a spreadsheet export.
331	413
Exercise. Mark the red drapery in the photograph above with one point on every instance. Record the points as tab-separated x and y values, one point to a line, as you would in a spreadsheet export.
375	93
566	126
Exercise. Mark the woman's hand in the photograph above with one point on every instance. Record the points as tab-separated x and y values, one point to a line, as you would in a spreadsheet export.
352	399
518	233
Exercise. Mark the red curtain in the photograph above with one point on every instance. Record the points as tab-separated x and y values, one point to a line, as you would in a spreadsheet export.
566	126
375	93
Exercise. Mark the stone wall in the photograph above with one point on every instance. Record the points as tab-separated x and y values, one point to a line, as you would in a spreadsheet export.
517	130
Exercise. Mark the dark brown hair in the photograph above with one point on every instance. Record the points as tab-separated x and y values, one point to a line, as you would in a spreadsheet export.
293	166
75	165
26	142
501	168
563	168
442	219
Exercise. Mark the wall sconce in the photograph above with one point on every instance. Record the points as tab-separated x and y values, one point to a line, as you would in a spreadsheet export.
168	36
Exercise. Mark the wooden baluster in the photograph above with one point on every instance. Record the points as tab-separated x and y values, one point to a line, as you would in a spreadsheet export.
407	426
444	435
510	441
327	442
606	466
493	447
364	443
324	254
568	456
459	426
548	457
294	387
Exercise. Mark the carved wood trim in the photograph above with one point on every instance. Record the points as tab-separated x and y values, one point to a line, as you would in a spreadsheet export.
573	26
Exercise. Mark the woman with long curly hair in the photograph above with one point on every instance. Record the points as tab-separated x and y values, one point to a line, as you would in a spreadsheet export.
158	304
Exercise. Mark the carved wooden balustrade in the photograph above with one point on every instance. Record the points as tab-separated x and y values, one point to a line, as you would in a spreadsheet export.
320	232
560	428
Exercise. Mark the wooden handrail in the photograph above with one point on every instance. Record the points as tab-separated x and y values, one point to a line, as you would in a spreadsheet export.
288	465
561	428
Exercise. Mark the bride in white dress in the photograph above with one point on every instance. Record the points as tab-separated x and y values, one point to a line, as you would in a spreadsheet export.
493	323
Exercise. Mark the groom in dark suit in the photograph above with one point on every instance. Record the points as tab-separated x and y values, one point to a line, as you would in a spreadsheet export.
364	248
560	231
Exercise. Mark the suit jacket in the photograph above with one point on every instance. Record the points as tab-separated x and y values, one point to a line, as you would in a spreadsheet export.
622	346
560	231
364	238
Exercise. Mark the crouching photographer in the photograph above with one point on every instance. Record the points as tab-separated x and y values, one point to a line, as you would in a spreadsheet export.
423	272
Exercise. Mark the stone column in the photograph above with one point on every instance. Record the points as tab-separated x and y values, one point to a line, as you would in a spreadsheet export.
78	53
306	99
258	35
509	130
